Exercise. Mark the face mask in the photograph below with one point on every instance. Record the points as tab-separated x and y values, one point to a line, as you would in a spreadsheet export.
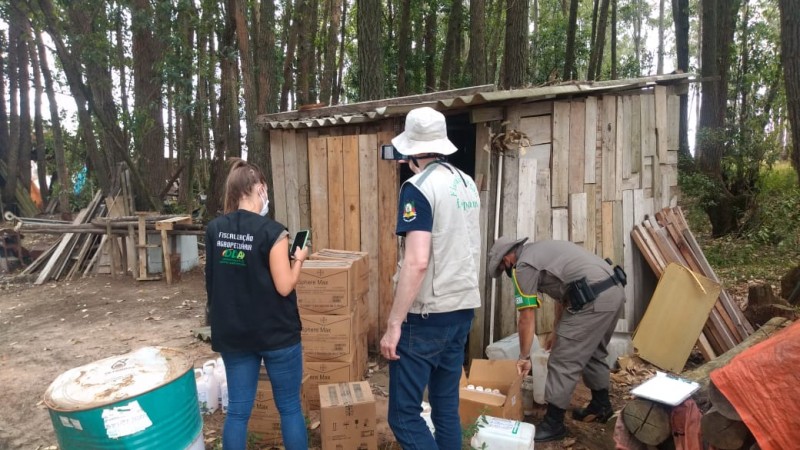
510	272
265	203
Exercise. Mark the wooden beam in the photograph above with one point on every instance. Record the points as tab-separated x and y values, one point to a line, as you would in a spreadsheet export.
388	191
303	188
590	140
291	180
368	186
505	319
278	175
577	146
661	122
483	176
169	224
609	153
352	201
318	171
559	174
577	217
635	124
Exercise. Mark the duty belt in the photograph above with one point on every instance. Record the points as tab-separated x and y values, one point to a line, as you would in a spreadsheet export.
582	293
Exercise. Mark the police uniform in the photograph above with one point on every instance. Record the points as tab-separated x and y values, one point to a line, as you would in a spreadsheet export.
581	348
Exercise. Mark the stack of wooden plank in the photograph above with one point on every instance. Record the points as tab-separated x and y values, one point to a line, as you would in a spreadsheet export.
665	239
67	256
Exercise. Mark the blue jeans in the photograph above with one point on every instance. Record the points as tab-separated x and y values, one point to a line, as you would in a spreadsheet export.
285	369
431	356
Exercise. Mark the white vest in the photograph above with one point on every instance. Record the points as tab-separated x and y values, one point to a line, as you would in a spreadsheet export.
451	281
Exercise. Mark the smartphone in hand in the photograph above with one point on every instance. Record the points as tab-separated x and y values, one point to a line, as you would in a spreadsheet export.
300	241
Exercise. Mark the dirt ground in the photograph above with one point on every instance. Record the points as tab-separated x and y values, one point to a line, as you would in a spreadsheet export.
48	329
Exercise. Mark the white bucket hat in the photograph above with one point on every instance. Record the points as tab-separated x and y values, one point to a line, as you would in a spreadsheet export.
425	132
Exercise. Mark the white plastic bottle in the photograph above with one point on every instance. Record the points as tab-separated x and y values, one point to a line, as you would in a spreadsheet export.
539	358
212	386
223	389
201	382
221	376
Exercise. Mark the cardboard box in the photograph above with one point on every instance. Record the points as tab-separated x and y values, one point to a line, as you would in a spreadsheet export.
329	337
495	374
265	420
347	416
360	262
327	373
327	286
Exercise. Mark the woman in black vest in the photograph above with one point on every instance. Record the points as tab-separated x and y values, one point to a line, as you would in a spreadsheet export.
250	281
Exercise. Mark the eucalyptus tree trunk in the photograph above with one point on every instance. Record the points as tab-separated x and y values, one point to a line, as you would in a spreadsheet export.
477	42
430	47
790	54
613	40
38	126
3	110
265	62
148	54
452	54
496	37
80	92
680	15
403	47
596	55
305	51
290	28
24	106
719	19
661	26
122	68
328	79
370	49
12	160
569	57
515	54
343	36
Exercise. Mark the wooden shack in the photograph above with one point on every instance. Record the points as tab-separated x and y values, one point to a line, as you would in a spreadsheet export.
579	161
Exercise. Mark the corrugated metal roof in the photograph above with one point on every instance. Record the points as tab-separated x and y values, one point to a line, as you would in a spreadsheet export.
372	111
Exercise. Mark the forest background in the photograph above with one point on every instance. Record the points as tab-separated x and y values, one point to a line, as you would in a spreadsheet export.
172	88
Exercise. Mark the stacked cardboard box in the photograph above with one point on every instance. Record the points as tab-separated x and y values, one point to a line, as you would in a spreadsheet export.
329	298
347	416
265	421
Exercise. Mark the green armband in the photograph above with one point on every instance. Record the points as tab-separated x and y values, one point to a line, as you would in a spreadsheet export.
522	300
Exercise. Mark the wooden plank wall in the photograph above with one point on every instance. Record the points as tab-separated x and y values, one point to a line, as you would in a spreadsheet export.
596	166
600	165
333	182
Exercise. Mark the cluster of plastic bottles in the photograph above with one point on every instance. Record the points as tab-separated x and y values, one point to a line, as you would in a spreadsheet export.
212	386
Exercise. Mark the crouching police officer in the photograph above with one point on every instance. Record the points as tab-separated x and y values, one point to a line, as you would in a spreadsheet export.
589	296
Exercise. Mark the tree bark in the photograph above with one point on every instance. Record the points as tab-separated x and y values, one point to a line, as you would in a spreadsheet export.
228	119
660	51
328	79
515	57
719	19
23	68
722	432
451	51
340	70
647	421
496	38
403	47
569	57
477	42
38	125
596	55
122	67
305	51
613	39
12	161
790	56
148	53
290	28
430	48
370	50
3	110
680	14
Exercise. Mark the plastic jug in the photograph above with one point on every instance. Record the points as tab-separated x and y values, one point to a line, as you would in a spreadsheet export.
539	358
223	389
212	385
496	433
201	382
220	375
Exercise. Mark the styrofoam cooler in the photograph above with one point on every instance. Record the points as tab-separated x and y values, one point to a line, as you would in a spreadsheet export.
496	433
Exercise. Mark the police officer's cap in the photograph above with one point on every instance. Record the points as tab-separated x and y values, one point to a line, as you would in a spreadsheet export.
501	247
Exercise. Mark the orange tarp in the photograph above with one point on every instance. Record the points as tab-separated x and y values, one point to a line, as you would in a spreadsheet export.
763	384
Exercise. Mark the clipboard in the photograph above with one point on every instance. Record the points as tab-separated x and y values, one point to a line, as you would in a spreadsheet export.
667	389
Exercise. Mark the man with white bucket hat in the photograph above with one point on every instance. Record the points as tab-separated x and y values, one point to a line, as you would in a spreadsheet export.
437	286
